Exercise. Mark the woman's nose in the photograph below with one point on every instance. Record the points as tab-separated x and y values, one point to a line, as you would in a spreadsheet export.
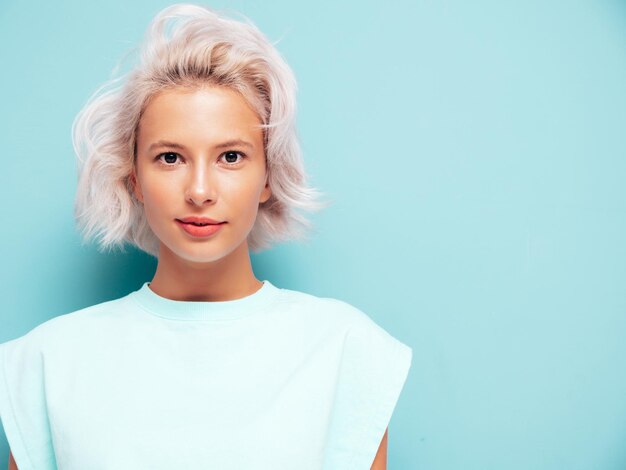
200	188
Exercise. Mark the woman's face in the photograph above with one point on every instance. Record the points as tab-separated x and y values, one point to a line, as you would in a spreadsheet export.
200	153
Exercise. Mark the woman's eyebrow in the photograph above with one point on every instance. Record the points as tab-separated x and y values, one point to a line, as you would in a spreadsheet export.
165	143
234	143
229	143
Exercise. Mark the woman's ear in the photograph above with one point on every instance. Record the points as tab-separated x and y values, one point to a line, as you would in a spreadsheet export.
266	192
136	188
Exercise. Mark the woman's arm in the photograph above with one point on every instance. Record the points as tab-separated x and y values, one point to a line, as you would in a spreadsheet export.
380	461
12	464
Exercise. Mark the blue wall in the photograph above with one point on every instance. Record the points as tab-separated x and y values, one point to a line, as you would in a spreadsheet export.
476	154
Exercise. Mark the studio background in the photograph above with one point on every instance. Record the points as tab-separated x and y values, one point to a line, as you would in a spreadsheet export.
476	156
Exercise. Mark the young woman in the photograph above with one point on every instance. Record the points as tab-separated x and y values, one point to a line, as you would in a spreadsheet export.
194	158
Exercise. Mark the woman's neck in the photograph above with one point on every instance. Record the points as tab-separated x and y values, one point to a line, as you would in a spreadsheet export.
226	279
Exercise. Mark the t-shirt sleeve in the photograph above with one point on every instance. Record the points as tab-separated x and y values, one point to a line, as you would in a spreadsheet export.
23	404
373	371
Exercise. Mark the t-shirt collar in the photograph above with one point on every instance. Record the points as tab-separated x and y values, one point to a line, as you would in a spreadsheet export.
205	310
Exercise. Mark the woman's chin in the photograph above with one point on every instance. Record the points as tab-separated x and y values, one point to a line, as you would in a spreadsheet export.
200	254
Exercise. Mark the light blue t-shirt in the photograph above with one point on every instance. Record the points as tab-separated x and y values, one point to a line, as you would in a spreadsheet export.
276	380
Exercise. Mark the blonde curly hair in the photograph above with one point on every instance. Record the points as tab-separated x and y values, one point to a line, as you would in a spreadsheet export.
189	46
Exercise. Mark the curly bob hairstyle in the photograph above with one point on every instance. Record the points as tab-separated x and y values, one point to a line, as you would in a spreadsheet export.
189	46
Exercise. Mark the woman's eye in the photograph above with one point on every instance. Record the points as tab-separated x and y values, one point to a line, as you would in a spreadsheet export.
231	157
169	158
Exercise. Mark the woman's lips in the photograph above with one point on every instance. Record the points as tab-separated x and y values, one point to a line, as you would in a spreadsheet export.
200	231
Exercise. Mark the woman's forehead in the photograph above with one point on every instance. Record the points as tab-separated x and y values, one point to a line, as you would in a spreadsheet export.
210	112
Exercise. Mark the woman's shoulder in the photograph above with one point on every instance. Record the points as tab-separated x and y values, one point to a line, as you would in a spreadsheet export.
331	309
319	304
62	327
361	331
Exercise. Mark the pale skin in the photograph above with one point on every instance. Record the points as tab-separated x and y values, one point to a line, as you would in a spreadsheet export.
200	152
